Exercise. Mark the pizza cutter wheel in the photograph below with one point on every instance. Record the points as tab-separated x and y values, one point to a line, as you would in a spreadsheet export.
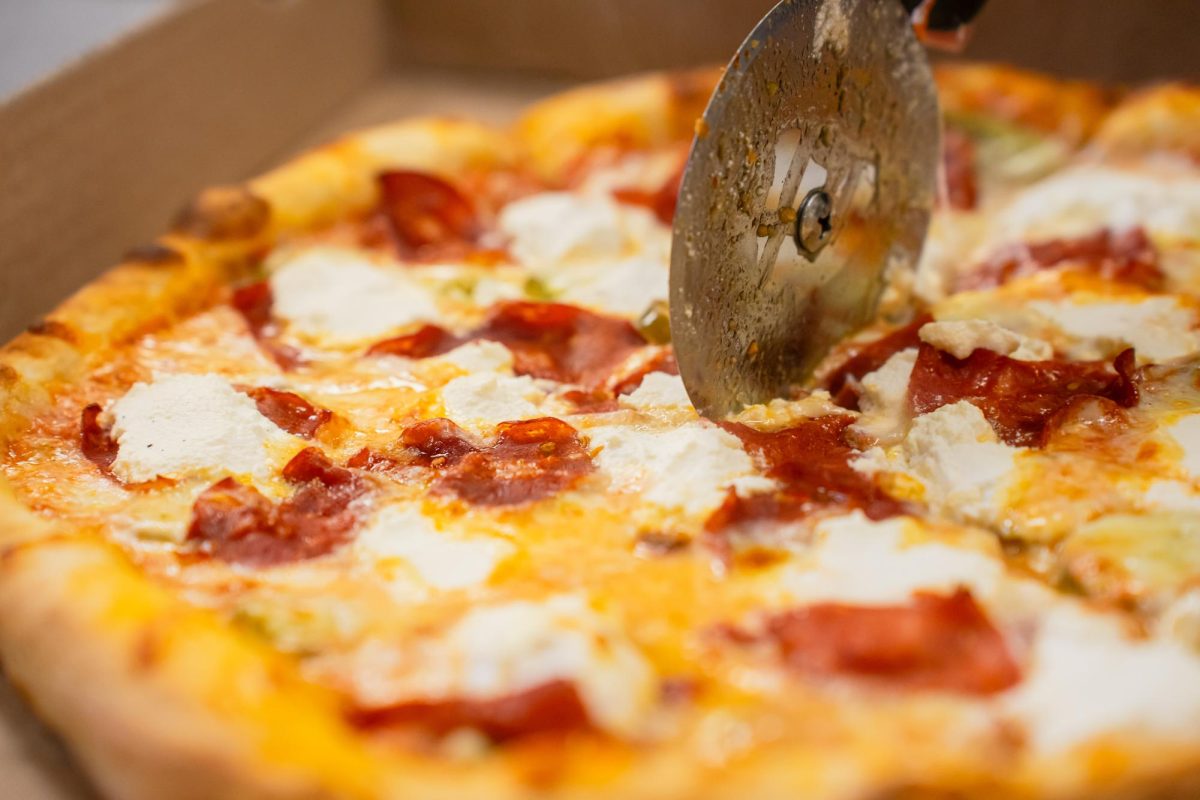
811	178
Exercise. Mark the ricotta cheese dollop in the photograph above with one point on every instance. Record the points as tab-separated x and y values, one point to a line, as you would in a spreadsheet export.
181	426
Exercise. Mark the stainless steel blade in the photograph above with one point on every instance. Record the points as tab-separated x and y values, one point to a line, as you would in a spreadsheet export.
826	123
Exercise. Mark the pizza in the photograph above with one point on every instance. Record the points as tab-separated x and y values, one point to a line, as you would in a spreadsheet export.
374	477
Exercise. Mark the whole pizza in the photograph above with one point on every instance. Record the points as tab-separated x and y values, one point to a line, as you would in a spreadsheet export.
375	478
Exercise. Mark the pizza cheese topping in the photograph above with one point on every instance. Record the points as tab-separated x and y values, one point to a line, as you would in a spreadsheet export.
192	425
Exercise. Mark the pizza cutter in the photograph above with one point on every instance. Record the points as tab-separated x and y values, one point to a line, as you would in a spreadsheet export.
811	177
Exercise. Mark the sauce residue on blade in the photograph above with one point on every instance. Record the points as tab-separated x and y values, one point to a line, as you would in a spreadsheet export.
1017	397
236	523
938	642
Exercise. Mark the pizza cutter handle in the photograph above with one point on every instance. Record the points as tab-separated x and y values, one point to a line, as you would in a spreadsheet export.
943	23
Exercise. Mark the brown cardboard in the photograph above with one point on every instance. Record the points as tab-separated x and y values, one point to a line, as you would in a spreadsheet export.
97	159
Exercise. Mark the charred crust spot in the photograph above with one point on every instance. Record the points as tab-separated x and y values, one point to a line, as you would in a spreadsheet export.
8	375
154	255
54	329
224	213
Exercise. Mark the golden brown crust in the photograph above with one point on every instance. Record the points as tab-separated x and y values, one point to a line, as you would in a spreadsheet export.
637	113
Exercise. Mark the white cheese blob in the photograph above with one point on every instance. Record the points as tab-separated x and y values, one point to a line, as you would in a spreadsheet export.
182	426
960	338
1185	432
883	399
1084	199
343	296
504	649
687	468
1158	328
481	356
442	560
859	561
483	400
554	226
626	287
1087	680
658	390
955	453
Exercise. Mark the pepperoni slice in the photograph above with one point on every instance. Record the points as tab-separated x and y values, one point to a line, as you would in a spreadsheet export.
812	461
938	642
428	340
425	211
1017	397
529	460
236	523
96	441
289	411
1125	257
865	359
437	442
958	170
553	707
561	342
254	302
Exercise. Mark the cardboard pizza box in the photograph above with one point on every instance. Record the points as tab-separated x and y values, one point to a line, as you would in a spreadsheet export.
97	158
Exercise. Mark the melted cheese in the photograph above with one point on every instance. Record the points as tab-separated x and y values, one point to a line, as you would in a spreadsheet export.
343	296
1087	680
859	561
625	287
1082	200
183	426
481	356
883	399
506	648
658	390
687	468
960	338
956	455
554	226
441	559
1159	328
483	400
1185	432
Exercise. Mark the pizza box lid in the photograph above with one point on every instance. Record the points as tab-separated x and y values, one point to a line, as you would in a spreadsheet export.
96	158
